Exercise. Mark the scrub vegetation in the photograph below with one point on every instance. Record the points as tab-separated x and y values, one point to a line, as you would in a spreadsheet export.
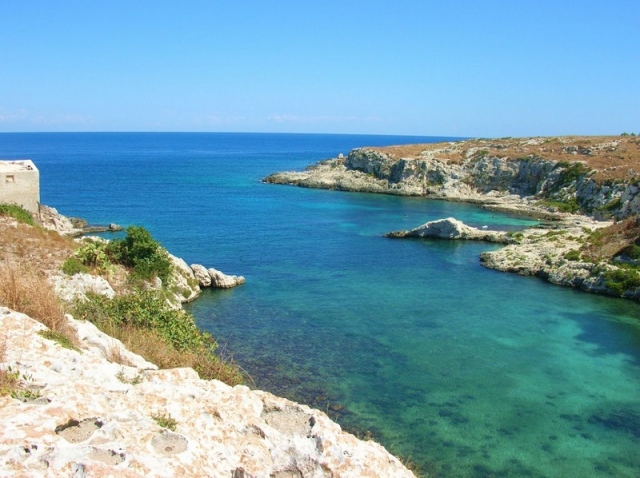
139	316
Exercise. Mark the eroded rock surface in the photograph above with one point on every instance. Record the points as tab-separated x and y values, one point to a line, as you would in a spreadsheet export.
214	278
96	418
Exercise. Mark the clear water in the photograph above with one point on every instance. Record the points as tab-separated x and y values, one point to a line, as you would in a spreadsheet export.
466	371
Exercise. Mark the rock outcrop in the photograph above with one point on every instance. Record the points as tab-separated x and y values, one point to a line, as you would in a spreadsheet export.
52	220
214	278
77	414
451	228
70	288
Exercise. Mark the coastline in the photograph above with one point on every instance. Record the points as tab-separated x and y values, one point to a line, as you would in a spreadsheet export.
97	408
576	189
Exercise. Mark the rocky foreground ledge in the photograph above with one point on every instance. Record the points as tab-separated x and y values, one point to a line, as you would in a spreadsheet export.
78	414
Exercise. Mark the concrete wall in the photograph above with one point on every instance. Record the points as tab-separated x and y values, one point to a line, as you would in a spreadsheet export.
20	184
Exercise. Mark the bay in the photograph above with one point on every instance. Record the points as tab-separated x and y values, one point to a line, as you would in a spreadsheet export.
463	370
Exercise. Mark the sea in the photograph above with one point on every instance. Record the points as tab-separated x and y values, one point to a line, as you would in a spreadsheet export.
459	370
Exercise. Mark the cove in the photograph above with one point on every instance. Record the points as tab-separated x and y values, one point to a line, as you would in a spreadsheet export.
464	370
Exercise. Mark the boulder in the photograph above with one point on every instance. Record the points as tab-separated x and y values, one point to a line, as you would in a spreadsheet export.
70	288
201	273
223	281
451	228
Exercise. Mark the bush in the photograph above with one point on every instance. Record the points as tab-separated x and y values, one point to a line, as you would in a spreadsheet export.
622	280
138	251
95	255
73	265
143	254
572	255
570	205
17	212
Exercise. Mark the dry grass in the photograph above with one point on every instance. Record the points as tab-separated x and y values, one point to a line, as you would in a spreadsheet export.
607	242
115	355
613	157
150	345
43	250
27	291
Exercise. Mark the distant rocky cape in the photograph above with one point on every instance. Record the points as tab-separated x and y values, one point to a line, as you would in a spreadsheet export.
598	176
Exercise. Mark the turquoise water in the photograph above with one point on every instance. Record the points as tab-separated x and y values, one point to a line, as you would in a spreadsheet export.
466	371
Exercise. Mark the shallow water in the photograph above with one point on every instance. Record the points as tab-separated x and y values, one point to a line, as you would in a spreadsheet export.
466	371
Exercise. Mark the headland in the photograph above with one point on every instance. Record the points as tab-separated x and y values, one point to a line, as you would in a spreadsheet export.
585	189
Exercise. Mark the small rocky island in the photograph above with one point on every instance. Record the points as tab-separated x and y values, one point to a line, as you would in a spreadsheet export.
586	189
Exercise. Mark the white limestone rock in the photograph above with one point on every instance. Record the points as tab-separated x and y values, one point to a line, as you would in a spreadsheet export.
223	281
96	418
451	228
70	288
51	219
183	281
200	272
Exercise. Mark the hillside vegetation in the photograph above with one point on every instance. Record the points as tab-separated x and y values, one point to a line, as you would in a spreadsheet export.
611	157
137	267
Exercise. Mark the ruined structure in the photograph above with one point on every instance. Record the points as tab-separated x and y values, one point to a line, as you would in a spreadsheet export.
20	184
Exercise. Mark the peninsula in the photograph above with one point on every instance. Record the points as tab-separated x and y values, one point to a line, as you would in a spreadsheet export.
587	189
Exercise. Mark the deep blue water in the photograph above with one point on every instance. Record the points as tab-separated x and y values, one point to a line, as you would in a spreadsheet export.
467	371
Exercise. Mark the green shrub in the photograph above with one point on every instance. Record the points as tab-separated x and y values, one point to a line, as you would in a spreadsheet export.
74	265
138	251
632	252
17	212
572	255
143	254
570	206
571	172
145	309
95	255
622	279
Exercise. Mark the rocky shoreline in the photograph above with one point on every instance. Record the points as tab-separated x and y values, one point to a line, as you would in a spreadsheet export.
97	409
579	185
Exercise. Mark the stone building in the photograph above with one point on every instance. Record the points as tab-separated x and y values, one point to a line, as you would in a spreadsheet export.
20	184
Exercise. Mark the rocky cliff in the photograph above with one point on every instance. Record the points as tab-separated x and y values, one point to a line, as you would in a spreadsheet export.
593	175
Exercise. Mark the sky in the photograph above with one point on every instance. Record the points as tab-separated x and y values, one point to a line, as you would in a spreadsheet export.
472	68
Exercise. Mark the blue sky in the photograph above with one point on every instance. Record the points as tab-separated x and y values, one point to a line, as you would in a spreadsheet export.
487	68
